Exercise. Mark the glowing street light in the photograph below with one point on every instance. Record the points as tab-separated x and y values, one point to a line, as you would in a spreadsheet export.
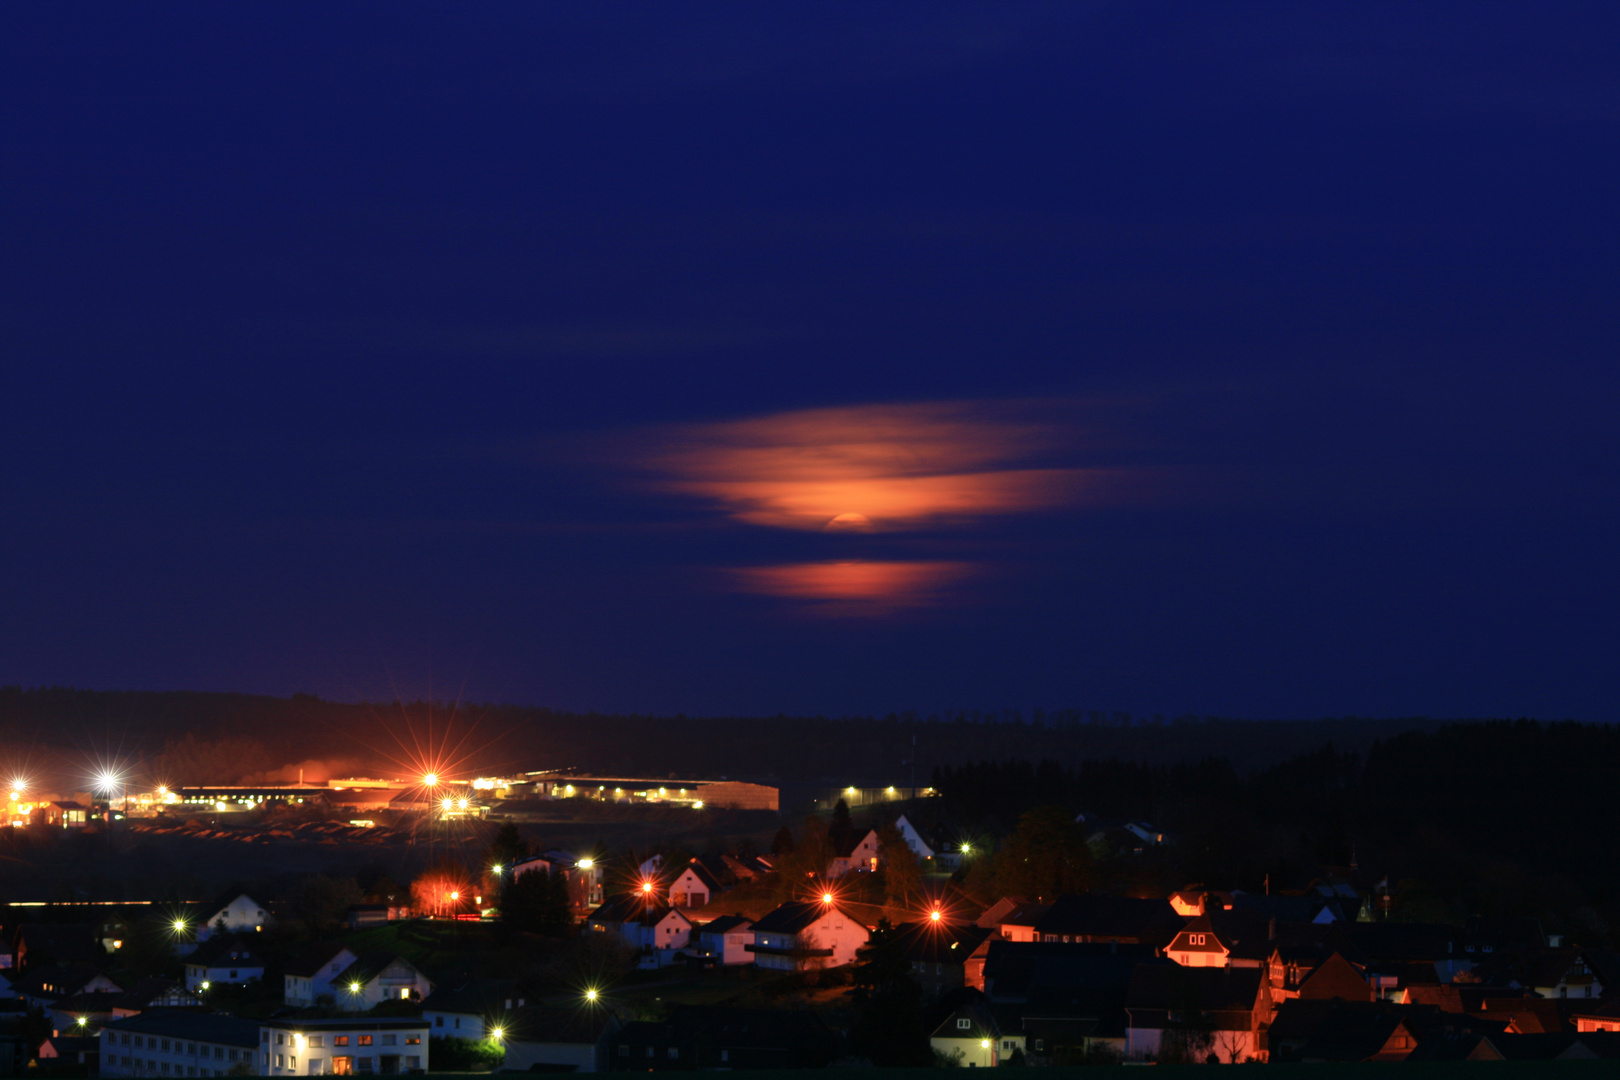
354	988
83	1020
935	915
497	1033
448	803
431	779
984	1043
586	863
455	896
647	887
590	995
206	984
179	926
826	898
966	848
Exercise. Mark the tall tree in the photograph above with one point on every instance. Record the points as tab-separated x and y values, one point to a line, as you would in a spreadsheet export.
889	1028
1045	857
902	875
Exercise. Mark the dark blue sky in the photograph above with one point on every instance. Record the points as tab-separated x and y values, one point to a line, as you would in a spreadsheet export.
406	349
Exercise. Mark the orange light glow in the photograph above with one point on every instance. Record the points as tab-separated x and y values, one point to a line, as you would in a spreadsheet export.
875	467
646	886
935	915
826	898
900	584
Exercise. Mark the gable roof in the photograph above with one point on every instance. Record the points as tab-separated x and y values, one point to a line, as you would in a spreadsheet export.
187	1024
632	908
224	952
368	966
932	942
702	873
1022	969
474	997
1209	989
794	916
854	840
313	959
1096	915
726	924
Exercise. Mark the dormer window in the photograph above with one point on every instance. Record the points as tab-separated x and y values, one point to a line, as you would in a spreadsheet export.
963	1023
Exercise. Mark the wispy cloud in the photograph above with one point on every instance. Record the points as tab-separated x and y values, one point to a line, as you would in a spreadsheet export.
880	468
855	587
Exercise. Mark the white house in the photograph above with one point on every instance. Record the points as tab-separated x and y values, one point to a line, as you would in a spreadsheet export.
694	887
471	1009
313	973
346	1046
240	914
657	932
861	856
806	935
914	839
179	1043
378	977
222	961
970	1037
726	939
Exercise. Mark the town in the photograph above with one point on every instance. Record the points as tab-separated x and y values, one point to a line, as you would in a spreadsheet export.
889	925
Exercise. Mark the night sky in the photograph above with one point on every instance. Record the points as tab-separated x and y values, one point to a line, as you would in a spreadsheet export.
1249	360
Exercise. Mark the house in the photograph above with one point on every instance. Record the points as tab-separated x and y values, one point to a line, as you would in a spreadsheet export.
914	838
560	1039
1013	918
234	913
377	977
583	874
472	1007
223	961
1197	900
721	1037
312	975
1079	1026
857	854
1221	938
351	1045
1336	1030
157	992
1602	1016
806	935
1564	972
64	815
44	986
202	1044
656	931
1094	917
1194	1013
944	957
1334	977
726	940
970	1037
694	886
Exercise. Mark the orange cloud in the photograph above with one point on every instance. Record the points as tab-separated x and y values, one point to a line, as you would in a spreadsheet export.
853	585
875	467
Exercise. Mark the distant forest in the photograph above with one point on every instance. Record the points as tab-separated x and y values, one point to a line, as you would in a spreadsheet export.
191	737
